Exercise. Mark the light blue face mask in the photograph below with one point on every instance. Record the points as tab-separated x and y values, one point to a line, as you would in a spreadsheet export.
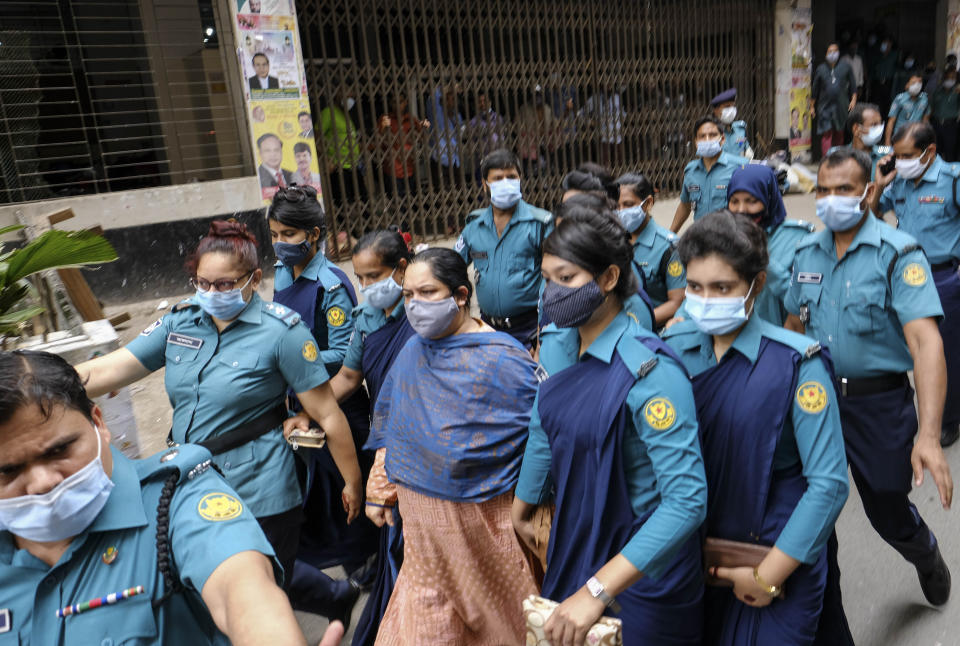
840	212
710	148
505	193
632	218
383	293
225	306
718	315
64	511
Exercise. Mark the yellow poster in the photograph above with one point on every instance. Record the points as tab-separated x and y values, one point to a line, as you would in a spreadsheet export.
801	63
284	145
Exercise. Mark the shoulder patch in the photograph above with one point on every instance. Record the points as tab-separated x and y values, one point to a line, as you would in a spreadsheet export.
336	317
660	413
309	351
914	274
675	268
153	326
812	397
216	507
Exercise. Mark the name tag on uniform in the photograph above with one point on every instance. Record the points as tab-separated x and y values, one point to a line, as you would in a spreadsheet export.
5	624
184	340
809	277
693	187
478	255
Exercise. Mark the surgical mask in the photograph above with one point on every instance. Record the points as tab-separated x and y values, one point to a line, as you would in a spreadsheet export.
430	319
571	306
884	47
505	193
840	212
709	148
914	88
383	293
225	306
631	218
292	253
718	315
907	64
728	114
349	103
833	57
64	511
872	136
911	168
949	83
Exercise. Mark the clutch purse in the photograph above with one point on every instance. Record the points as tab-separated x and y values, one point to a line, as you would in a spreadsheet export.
536	610
723	553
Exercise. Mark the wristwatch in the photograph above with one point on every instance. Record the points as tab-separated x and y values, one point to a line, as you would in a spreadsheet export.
599	592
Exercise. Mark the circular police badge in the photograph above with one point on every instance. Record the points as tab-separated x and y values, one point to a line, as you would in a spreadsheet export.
219	506
675	268
309	351
914	274
336	316
812	397
660	413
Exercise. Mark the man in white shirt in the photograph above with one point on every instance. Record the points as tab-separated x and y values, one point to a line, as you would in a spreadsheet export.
856	64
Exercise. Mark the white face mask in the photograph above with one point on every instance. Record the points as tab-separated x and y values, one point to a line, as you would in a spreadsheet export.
833	57
728	114
914	88
872	136
949	83
64	511
911	168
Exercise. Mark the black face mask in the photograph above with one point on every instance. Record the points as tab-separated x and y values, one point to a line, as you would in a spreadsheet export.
571	306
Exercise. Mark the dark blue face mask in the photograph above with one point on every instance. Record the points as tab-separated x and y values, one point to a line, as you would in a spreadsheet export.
292	254
571	306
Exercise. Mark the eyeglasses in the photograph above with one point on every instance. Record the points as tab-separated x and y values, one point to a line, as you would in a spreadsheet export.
220	285
297	193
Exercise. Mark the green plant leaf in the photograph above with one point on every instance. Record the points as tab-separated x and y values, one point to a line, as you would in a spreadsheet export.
55	250
9	323
11	228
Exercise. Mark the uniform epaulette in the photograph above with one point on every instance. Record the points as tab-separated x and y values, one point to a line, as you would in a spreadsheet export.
813	349
282	312
541	215
329	279
739	124
473	215
638	358
799	343
183	305
800	224
190	459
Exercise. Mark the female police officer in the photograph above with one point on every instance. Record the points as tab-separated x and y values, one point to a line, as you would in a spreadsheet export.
230	358
626	518
772	444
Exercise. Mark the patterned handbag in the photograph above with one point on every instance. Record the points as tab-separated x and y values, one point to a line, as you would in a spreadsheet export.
536	610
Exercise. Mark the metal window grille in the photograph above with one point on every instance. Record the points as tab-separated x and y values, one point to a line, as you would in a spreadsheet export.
620	83
99	96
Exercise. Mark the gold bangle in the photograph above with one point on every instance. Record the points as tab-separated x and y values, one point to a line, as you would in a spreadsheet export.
772	590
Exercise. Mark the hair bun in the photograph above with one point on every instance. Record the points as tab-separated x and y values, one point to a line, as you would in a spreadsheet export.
230	229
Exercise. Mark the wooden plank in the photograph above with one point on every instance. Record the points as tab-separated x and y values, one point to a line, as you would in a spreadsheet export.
80	294
117	319
60	216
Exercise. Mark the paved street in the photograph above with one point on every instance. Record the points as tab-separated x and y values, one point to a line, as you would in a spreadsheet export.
882	597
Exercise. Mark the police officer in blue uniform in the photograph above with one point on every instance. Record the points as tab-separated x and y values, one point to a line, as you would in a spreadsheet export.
724	107
866	129
612	391
96	548
230	359
504	243
865	291
655	259
705	178
922	191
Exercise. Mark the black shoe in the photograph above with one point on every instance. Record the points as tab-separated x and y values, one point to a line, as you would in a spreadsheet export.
949	435
342	608
935	583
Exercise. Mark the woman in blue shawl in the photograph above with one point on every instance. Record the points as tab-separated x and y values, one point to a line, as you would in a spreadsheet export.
772	443
380	330
613	441
753	191
449	426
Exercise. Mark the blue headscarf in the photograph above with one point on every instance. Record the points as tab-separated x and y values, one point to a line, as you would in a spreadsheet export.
453	415
760	181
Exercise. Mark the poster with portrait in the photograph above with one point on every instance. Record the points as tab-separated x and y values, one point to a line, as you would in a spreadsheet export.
266	7
283	145
953	29
270	64
801	58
